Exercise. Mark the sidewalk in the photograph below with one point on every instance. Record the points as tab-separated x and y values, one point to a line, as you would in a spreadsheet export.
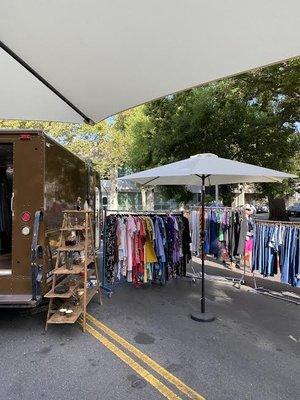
216	267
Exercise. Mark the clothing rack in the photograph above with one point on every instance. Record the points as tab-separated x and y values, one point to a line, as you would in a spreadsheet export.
272	293
238	282
225	208
287	223
195	275
143	212
262	290
107	211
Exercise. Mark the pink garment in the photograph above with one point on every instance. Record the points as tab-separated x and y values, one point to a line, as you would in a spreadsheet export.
130	230
249	245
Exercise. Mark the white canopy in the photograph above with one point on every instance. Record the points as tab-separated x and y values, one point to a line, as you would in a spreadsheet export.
105	56
218	171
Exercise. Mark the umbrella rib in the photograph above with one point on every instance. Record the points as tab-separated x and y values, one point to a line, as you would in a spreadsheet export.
273	179
151	180
45	82
201	176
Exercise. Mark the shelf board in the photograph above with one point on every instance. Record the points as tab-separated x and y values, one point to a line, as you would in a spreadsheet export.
75	269
52	295
76	211
67	295
77	247
56	318
74	228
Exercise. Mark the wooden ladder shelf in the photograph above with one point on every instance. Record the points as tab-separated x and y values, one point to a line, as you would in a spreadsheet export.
76	271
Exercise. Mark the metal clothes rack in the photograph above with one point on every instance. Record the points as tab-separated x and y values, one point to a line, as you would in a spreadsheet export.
287	223
144	212
238	282
241	281
207	208
107	211
195	275
273	293
263	290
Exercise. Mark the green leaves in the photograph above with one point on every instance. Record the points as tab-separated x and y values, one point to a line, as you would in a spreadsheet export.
101	143
249	118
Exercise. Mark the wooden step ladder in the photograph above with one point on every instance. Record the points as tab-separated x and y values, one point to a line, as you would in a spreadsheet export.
80	279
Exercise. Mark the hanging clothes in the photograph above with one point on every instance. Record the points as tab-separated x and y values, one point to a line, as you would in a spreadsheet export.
122	247
222	231
186	246
111	247
276	249
145	248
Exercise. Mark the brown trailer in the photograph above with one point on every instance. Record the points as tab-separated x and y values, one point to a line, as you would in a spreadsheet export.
39	179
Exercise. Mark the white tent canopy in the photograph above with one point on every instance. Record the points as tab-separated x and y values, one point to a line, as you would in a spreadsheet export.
218	171
105	56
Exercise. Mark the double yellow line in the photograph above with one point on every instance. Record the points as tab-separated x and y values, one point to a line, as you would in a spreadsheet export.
118	349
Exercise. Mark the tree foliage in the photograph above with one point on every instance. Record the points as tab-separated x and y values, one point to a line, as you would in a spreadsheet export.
102	143
250	118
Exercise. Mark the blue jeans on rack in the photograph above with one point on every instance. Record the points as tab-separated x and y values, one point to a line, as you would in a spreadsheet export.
286	256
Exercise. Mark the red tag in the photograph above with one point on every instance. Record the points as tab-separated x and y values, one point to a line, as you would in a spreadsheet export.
25	137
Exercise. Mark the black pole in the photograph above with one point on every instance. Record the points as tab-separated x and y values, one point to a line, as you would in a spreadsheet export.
203	317
45	82
202	244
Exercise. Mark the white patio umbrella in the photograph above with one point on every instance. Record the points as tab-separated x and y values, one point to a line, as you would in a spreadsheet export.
206	169
75	60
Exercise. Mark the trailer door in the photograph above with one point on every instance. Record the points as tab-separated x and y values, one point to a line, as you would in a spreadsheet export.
28	198
6	198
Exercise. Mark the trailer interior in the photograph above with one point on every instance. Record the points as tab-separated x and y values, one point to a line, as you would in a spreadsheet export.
6	193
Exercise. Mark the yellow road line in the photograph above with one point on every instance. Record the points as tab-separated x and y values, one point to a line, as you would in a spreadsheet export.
163	389
192	394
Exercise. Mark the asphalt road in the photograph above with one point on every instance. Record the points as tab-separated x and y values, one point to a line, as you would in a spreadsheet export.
251	351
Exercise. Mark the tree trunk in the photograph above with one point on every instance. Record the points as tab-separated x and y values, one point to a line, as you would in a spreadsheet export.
277	209
114	191
150	199
144	198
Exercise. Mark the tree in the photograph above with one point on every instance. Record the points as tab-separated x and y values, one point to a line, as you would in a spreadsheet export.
102	143
250	118
274	92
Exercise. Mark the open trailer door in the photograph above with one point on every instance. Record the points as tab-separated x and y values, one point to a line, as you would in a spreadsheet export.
21	195
6	201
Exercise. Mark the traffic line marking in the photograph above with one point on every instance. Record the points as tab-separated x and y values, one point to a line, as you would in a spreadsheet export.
163	389
185	389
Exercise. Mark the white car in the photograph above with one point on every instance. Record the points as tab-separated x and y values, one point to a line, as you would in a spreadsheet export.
294	210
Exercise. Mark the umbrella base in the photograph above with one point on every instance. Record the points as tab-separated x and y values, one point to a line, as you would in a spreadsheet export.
203	317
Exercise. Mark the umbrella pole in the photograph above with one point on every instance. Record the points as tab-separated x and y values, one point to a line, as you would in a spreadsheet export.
203	316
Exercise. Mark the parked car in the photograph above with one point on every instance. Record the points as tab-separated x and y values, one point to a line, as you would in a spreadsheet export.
262	209
294	210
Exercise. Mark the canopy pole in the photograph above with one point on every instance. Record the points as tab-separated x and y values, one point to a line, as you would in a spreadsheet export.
45	82
203	316
217	194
